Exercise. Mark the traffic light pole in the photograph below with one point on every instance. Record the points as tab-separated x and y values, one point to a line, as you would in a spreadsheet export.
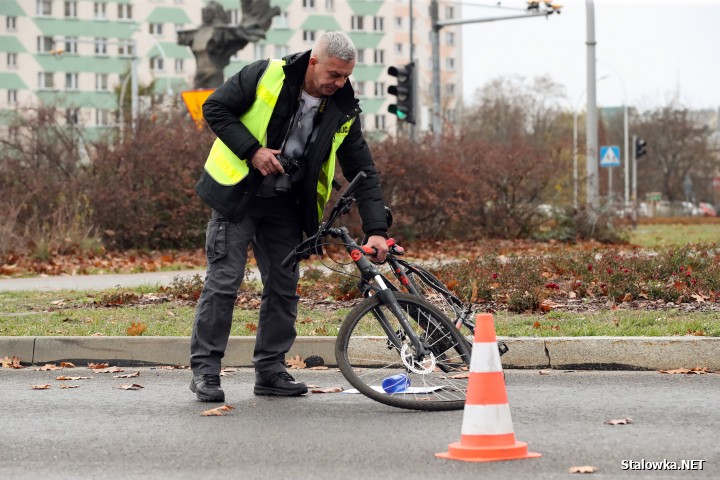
437	25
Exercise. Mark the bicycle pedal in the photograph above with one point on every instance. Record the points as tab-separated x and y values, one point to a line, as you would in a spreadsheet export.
503	348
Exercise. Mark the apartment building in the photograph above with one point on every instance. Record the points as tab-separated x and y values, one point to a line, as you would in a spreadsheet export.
78	54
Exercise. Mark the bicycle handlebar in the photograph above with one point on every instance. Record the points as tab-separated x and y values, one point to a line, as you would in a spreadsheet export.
355	182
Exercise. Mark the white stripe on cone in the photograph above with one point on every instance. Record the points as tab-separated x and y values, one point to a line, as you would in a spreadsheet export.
485	357
487	420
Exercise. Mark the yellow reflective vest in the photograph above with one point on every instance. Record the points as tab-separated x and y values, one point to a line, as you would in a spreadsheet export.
228	169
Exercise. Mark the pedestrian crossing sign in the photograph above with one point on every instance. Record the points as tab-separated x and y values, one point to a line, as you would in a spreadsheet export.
610	156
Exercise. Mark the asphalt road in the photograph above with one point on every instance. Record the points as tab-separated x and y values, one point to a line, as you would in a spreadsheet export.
99	431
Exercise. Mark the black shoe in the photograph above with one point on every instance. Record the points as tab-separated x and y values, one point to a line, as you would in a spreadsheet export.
280	383
207	388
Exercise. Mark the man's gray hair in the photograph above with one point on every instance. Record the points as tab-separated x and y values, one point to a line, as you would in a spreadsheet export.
335	44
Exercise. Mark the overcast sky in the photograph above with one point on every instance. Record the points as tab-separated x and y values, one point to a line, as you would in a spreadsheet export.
656	49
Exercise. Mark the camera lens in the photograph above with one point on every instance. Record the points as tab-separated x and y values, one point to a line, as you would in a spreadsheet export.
283	183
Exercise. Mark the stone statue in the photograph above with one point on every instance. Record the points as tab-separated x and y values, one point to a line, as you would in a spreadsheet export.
215	41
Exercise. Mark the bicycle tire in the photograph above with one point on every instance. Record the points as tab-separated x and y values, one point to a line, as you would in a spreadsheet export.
366	356
433	290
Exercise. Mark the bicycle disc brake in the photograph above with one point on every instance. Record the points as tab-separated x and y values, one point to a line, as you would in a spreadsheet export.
427	365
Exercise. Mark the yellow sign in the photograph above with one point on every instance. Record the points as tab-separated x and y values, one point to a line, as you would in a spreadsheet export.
194	100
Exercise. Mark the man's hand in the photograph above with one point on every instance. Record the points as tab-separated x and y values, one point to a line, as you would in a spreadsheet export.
265	162
380	244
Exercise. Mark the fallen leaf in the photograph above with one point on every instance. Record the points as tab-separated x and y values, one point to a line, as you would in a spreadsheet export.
13	362
628	297
109	370
622	421
136	329
69	386
40	387
47	367
536	324
97	335
67	365
319	367
296	362
134	386
93	366
583	469
217	412
460	375
327	390
128	375
689	371
252	328
63	377
544	372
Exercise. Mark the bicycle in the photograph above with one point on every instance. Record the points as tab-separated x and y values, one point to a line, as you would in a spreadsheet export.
392	333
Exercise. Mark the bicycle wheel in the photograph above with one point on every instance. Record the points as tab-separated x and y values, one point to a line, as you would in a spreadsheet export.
434	291
366	356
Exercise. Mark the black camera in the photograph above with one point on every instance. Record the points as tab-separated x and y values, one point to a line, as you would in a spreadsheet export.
283	181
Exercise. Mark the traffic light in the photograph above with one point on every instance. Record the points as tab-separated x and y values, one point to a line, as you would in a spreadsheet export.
405	92
640	147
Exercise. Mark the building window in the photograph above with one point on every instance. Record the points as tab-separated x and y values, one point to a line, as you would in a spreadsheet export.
399	48
100	10
450	64
398	22
71	44
124	11
450	115
45	44
12	97
12	60
450	89
156	29
308	4
379	89
46	80
360	58
450	38
102	117
329	5
71	81
71	116
70	9
126	48
281	21
281	51
101	81
359	88
44	8
259	51
379	122
101	46
379	24
156	64
11	23
356	22
379	57
179	65
449	12
308	35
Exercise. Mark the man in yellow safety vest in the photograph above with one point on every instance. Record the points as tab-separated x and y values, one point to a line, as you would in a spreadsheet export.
281	125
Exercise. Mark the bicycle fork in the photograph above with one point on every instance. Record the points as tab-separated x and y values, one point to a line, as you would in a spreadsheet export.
384	293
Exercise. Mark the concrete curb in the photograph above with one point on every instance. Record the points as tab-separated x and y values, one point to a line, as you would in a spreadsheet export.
595	353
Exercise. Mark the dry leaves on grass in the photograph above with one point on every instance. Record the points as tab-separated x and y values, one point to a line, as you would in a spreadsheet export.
688	371
622	421
217	412
136	329
13	362
583	469
40	387
133	386
63	378
128	375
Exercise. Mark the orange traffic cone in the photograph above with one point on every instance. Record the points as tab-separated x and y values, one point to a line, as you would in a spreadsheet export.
487	429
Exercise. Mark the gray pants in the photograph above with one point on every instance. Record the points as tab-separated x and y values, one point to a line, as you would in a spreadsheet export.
271	225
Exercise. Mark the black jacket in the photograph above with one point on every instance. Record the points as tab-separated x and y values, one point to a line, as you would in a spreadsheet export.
226	104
